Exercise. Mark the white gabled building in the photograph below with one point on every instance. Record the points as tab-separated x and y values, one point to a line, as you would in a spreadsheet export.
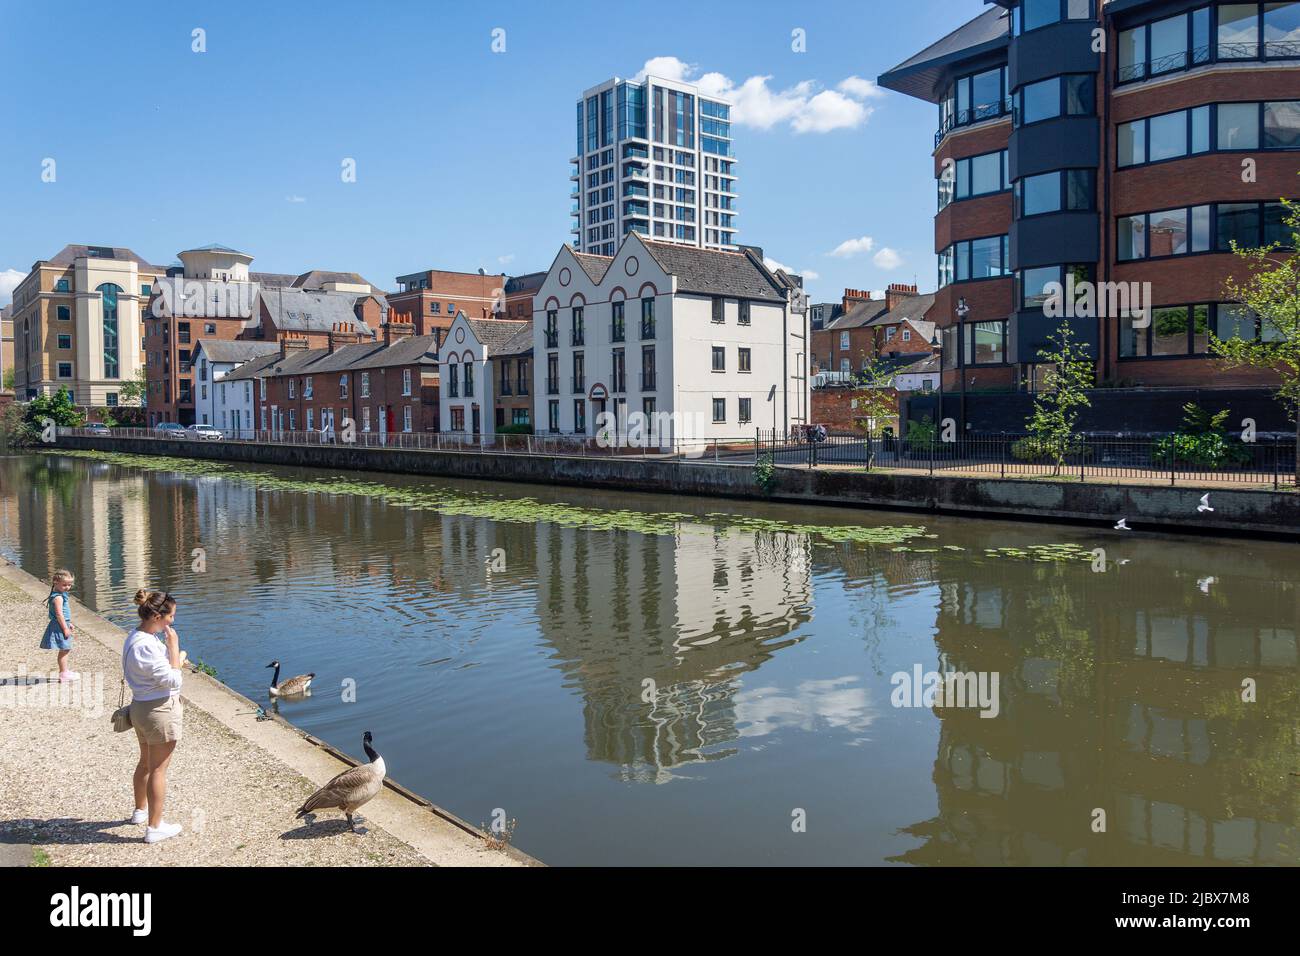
466	394
696	344
226	406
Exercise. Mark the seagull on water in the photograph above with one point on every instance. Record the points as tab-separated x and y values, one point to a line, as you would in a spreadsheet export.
1204	584
1122	525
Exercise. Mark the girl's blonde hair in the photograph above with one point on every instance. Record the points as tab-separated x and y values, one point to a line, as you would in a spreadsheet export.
154	604
62	575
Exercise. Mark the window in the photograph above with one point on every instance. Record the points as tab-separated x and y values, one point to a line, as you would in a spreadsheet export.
469	380
209	328
365	418
1282	123
647	368
1238	125
579	416
63	313
108	293
744	312
719	359
306	387
343	385
552	416
746	414
719	411
552	329
744	357
985	342
1238	222
647	318
1040	101
65	370
65	341
577	335
975	176
1168	44
1040	194
406	418
62	286
365	384
616	323
719	316
974	259
1170	232
458	419
1238	31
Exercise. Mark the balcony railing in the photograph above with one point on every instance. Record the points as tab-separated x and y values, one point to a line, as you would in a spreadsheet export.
579	384
577	336
552	386
552	339
976	115
647	381
647	329
616	331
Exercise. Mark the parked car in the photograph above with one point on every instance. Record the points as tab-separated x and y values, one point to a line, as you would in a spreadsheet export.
170	430
99	429
204	433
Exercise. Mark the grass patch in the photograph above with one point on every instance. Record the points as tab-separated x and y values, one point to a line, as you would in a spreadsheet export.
40	857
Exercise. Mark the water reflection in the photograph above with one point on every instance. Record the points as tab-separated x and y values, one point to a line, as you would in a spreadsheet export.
559	671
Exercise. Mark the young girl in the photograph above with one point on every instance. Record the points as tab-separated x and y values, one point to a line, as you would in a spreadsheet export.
58	633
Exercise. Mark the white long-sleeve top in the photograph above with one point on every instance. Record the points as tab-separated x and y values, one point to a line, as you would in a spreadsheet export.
146	668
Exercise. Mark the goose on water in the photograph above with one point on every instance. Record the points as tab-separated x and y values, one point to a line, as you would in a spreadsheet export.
293	687
350	789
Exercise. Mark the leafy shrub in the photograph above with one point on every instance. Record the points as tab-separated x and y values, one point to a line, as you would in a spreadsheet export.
515	430
1201	440
920	435
765	473
1040	450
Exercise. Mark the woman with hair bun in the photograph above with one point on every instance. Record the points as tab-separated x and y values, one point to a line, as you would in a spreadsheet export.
151	665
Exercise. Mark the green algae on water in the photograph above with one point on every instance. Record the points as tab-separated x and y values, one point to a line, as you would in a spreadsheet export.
513	510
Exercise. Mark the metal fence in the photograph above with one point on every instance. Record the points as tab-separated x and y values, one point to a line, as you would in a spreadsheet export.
572	446
1271	462
1265	462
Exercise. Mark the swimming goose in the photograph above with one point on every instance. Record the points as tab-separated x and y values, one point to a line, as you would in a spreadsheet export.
293	687
350	789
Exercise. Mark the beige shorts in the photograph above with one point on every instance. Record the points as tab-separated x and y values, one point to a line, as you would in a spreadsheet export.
157	721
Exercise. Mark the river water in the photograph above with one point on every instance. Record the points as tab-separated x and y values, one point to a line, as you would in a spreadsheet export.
641	679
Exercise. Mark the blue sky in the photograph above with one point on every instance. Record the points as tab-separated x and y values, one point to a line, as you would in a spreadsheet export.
461	153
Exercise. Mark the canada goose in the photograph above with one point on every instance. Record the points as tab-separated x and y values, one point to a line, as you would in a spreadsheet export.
293	687
350	789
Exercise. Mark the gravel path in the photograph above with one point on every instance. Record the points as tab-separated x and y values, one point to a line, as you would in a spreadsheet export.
65	777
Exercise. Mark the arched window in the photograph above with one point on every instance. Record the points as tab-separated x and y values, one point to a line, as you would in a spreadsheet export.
108	297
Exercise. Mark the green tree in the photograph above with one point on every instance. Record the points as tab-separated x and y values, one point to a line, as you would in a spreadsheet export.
1064	395
133	390
57	407
875	401
1271	291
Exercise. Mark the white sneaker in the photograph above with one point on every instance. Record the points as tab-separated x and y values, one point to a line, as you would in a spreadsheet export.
165	831
140	816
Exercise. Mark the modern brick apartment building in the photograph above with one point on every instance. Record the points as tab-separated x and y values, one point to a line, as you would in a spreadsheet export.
431	300
212	296
1137	159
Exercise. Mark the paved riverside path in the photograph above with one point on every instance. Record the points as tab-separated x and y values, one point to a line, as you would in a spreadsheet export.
234	782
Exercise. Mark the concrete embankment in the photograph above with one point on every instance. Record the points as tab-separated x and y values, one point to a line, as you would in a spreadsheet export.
234	781
1236	511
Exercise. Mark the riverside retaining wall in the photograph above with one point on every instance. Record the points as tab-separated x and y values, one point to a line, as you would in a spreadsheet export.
1236	512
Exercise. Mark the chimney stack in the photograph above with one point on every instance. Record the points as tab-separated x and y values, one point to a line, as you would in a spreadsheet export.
896	293
291	342
341	335
396	331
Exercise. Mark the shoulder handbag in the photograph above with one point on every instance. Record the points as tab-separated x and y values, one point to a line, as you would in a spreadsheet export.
122	716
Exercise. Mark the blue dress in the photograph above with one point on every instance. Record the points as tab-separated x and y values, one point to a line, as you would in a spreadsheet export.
54	639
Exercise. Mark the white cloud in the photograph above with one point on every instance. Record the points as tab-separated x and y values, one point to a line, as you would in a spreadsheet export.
853	247
861	89
805	107
9	279
668	67
294	199
773	264
887	259
507	259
